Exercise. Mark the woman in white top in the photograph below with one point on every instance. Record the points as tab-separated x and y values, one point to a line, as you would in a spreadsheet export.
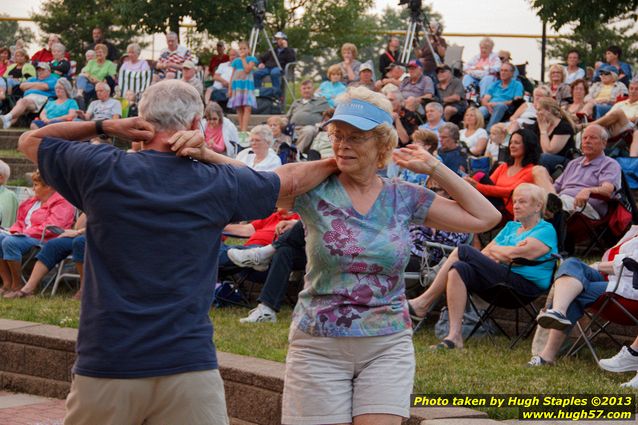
573	71
133	63
259	156
526	113
473	134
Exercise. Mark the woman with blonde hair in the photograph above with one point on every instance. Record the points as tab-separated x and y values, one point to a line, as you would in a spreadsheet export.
350	65
351	334
333	87
96	71
277	124
559	89
556	134
473	134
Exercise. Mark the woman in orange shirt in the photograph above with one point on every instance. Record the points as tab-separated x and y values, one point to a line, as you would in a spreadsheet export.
524	154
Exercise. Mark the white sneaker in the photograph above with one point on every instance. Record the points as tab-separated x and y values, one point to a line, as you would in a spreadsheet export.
6	122
633	383
254	258
261	314
624	361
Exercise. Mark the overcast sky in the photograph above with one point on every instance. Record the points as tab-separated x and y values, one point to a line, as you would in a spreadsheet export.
459	16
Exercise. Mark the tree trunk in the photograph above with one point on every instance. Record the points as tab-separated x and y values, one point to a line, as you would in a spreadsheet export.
173	25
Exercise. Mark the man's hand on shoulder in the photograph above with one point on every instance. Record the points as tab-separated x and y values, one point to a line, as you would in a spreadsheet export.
188	143
135	129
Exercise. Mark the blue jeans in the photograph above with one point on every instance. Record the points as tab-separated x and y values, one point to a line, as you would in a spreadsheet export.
290	255
600	110
500	109
551	160
275	77
13	247
483	83
85	85
594	285
58	249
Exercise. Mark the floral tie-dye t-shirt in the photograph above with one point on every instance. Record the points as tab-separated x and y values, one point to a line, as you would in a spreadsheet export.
354	281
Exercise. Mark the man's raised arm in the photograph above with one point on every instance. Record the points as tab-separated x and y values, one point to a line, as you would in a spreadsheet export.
131	128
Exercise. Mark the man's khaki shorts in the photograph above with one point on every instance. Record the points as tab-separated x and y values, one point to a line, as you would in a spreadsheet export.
194	398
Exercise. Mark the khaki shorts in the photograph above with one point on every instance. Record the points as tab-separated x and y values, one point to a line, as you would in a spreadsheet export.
38	100
332	380
194	398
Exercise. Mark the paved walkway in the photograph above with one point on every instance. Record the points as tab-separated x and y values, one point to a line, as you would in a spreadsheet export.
23	409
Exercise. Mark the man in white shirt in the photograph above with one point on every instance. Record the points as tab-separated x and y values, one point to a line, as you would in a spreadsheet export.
218	92
104	108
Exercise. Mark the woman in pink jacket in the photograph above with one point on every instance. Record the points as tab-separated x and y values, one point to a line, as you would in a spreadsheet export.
46	208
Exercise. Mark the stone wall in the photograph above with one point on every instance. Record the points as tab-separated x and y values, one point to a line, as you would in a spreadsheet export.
37	359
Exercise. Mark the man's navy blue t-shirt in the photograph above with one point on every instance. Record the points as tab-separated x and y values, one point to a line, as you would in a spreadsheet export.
153	234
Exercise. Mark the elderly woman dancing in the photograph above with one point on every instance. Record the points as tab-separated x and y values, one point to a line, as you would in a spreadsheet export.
529	236
350	358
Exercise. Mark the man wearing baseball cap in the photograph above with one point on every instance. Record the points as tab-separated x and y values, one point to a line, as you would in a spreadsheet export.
189	76
37	90
366	77
451	92
268	65
417	86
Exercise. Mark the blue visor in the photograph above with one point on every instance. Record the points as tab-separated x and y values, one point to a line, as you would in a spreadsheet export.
361	115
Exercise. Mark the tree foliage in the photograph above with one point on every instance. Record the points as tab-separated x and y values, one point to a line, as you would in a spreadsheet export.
74	20
558	13
592	41
10	31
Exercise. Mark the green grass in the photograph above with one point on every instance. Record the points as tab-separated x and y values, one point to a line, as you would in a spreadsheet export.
10	153
481	368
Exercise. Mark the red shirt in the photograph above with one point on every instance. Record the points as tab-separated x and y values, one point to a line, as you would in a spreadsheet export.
215	60
45	55
265	228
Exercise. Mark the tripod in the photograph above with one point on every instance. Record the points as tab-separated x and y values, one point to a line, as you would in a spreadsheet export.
252	43
416	24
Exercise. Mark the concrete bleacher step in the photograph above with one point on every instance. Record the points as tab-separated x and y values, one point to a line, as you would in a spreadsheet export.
19	164
254	119
9	138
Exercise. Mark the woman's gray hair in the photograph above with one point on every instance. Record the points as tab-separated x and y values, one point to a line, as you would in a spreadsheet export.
171	105
264	132
66	85
136	47
58	46
5	171
536	193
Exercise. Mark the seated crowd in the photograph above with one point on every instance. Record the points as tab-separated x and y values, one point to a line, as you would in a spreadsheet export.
538	155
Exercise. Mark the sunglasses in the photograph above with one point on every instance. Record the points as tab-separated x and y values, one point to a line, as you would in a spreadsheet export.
605	73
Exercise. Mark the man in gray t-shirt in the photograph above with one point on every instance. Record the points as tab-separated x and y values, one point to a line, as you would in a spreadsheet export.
105	107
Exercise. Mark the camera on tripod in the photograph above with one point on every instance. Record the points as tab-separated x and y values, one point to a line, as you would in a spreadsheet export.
258	10
415	7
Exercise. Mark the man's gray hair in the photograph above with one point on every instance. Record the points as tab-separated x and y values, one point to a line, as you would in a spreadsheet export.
171	105
602	131
58	46
104	85
452	129
435	105
172	34
5	171
264	132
